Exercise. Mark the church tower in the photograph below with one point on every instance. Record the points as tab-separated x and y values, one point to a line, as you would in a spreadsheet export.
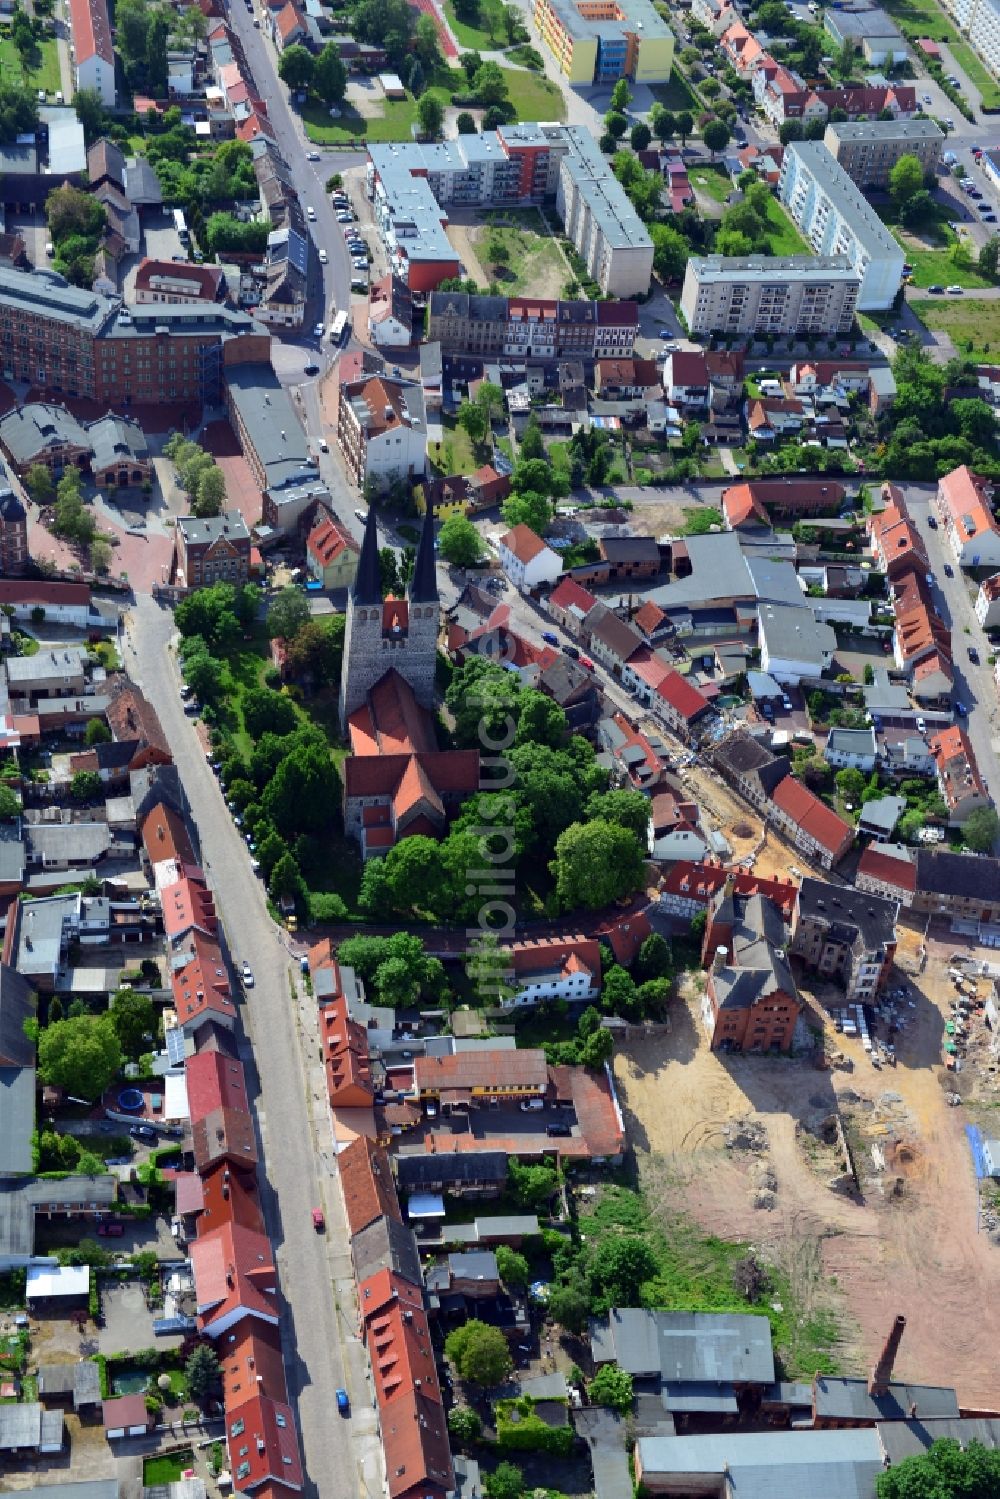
399	634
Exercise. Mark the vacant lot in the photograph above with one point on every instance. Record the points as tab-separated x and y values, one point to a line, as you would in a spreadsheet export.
976	74
974	326
45	76
921	18
455	453
513	250
738	1145
930	254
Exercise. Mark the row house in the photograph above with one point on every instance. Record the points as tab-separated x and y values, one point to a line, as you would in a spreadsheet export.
686	888
567	968
959	782
764	780
988	603
569	603
964	504
894	539
639	760
534	328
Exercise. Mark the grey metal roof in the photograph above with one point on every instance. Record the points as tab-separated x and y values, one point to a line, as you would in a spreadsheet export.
474	1264
792	631
883	813
852	741
606	1434
386	1245
17	1118
41	932
71	842
507	1226
763	685
879	130
202	531
849	1399
113	438
719	1400
49	295
416	1171
813	159
142	186
773	1464
702	1347
62	663
841	905
266	410
81	1380
67	149
902	1439
20	1425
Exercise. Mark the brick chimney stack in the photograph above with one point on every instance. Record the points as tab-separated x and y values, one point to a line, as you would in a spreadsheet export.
878	1384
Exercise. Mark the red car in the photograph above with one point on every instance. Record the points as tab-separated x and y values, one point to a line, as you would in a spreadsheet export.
319	1222
586	663
111	1229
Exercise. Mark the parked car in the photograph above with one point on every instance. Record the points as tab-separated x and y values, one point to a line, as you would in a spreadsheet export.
312	156
318	330
572	652
310	213
786	703
558	1131
177	1229
246	973
973	655
921	725
532	1105
936	291
931	521
319	1222
961	710
949	571
323	256
549	638
144	1132
586	663
954	291
343	1403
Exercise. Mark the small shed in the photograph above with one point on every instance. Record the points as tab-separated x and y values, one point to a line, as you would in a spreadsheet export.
78	1382
126	1417
58	1282
392	85
991	1157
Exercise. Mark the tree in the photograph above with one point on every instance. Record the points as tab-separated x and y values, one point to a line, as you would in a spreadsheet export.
296	67
596	1049
203	1373
612	1387
750	1279
621	98
570	1306
527	509
531	1187
619	994
466	125
664	123
85	785
472	419
640	136
286	878
596	863
513	1267
39	484
426	44
791	131
96	732
989	256
287	615
464	1424
684	125
330	75
489	85
615	124
850	783
211	492
267	712
203	674
430	115
100	554
980	830
460	543
317	651
619	1267
670	251
532	444
906	179
716	136
82	1055
386	23
10	805
479	1353
134	1019
944	1471
505	1482
90	113
627	809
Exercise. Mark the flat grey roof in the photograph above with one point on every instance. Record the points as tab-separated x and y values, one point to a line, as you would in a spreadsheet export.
794	631
686	1347
852	741
198	531
845	197
266	409
773	1464
724	269
67	148
901	1439
46	293
17	1118
849	1399
883	130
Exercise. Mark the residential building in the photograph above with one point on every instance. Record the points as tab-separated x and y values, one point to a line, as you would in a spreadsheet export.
18	1011
751	296
413	185
894	539
526	560
465	1173
367	1184
548	968
987	600
235	1279
794	644
598	44
463	494
868	150
569	603
481	1075
331	554
91	49
612	640
845	933
680	704
214	550
390	313
959	782
813	827
853	748
963	886
531	327
838	220
686	889
750	1002
888	870
200	984
170	281
980	21
382	430
767	499
221	1124
964	504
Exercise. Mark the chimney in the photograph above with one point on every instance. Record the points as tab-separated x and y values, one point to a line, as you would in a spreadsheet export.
878	1384
719	960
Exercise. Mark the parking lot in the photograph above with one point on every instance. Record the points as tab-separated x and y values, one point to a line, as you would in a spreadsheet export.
128	1321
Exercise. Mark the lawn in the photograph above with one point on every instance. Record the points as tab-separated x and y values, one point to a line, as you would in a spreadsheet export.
46	75
921	18
785	238
468	34
974	323
675	94
937	267
533	97
455	453
166	1468
533	259
977	75
714	182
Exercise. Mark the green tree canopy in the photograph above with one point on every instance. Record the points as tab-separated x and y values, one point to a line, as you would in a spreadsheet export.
570	1306
287	614
944	1471
329	79
479	1353
82	1055
430	114
203	1373
513	1267
981	829
906	179
612	1387
596	863
134	1019
460	543
296	67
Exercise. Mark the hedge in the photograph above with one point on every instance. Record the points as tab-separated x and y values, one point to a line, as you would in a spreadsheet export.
528	1432
102	1373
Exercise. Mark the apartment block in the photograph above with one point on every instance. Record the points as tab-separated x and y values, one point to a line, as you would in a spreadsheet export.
531	327
91	48
845	934
756	294
837	220
869	150
382	430
412	185
600	41
980	20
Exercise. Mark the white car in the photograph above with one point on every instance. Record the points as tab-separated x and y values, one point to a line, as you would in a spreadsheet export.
323	445
343	217
318	331
312	156
921	726
310	213
323	257
246	972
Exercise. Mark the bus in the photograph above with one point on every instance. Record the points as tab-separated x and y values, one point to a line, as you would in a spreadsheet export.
338	327
180	225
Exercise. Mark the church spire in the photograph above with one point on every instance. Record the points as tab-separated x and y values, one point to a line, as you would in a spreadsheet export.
423	584
368	582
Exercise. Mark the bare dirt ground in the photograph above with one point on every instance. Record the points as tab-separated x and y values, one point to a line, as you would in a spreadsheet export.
909	1244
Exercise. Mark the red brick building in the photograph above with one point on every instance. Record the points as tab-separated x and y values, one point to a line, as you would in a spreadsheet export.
750	1001
217	549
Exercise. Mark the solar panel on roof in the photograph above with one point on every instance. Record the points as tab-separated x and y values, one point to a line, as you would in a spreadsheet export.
175	1046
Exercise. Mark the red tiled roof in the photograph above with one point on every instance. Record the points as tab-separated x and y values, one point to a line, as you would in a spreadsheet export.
812	815
233	1273
328	541
201	985
126	1410
186	904
682	696
688	367
570	594
991	587
346	1058
699	882
165	836
966	497
368	1186
189	1194
881	866
411	1412
132	716
648	618
230	1195
202	280
524	1068
263	1444
215	1081
546	953
740	504
252	1363
91	30
626	937
32	591
523	542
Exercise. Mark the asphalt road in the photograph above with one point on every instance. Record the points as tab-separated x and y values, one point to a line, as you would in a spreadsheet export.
297	1172
974	685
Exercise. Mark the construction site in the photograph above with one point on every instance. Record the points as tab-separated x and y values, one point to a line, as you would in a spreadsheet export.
850	1170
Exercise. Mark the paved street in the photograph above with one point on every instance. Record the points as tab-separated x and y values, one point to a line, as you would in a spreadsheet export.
298	1171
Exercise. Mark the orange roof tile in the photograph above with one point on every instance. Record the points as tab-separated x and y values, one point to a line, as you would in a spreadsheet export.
368	1186
809	813
523	542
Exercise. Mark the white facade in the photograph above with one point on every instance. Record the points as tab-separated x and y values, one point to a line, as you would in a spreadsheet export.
94	72
988	603
399	453
536	988
756	294
851	748
837	220
793	645
388	333
544	567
